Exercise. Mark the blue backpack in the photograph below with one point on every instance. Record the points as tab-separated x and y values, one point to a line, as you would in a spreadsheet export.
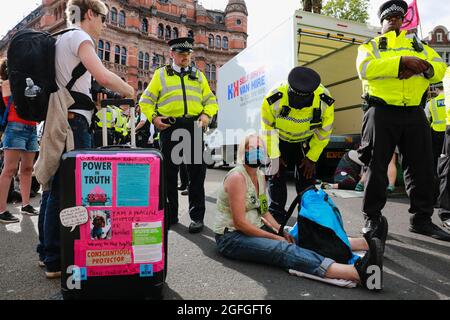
319	226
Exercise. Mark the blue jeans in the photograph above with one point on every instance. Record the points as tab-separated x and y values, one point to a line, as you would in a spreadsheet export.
82	140
19	136
40	247
236	245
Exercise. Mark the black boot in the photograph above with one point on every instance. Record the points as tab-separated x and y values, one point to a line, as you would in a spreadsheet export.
378	228
430	229
373	257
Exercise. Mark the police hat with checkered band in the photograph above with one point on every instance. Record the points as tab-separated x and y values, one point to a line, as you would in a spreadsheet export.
397	7
303	81
182	44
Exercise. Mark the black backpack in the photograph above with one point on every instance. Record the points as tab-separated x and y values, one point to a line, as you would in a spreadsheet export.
31	54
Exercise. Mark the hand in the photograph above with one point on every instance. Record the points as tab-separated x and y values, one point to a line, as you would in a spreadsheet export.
203	121
157	122
309	168
415	64
100	97
406	74
289	238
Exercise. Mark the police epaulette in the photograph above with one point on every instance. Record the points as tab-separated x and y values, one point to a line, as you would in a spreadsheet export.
169	70
327	99
274	98
367	41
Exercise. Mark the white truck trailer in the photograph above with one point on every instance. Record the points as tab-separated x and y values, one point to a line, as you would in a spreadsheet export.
325	44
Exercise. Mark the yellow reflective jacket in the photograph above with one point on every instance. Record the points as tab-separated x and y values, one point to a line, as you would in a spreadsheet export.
121	125
378	64
297	125
447	94
110	117
435	111
168	94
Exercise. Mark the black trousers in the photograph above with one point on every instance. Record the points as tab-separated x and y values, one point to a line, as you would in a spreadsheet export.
98	138
443	213
184	140
383	129
437	139
292	154
184	177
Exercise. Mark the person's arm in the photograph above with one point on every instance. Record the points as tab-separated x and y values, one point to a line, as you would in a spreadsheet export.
438	67
236	187
321	136
371	66
104	77
268	120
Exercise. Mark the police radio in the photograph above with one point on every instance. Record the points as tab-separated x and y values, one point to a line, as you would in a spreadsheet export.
285	111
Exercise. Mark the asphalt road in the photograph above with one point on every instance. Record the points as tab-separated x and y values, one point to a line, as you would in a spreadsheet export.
416	267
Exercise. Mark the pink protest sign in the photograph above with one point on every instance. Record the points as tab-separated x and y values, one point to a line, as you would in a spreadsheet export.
124	232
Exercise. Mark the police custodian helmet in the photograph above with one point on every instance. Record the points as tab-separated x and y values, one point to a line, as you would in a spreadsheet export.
185	44
393	7
302	84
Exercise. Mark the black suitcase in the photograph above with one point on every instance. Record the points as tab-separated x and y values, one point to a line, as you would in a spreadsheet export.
120	252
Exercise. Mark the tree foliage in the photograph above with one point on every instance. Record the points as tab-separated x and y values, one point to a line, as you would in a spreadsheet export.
355	10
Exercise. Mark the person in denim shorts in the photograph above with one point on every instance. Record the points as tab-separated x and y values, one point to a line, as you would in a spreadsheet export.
19	145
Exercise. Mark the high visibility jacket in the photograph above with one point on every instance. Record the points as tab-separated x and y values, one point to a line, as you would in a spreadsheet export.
110	117
169	94
447	94
378	66
121	122
435	111
297	126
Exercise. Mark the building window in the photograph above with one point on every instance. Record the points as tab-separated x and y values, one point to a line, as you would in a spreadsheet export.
168	32
175	33
107	16
114	15
439	37
218	42
160	31
117	54
208	72
213	73
147	61
190	34
139	86
144	26
211	41
107	51
123	60
238	22
141	60
101	49
122	18
225	43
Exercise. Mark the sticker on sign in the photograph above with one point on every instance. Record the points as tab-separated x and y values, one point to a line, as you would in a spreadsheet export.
73	217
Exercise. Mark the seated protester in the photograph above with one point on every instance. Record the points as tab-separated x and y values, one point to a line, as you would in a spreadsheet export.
19	144
348	172
244	227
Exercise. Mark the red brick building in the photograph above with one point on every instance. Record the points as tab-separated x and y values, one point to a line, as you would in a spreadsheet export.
439	40
134	43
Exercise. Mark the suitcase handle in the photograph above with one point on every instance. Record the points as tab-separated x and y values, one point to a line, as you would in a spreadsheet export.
119	146
119	102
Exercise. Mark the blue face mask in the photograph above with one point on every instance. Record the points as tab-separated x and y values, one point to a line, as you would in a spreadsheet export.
254	158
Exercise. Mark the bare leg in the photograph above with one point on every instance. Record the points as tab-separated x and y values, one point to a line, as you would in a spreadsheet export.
342	271
358	244
11	158
392	170
26	170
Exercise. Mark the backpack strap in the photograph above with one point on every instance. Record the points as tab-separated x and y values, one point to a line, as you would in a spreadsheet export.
77	73
61	32
294	204
5	114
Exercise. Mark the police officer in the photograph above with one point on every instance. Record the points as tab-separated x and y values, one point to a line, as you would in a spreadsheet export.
435	111
444	213
396	71
297	119
181	91
99	121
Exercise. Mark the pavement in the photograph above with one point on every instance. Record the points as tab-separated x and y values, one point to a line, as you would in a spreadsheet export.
416	267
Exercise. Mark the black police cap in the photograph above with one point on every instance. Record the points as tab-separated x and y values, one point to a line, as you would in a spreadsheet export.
303	81
399	7
182	44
